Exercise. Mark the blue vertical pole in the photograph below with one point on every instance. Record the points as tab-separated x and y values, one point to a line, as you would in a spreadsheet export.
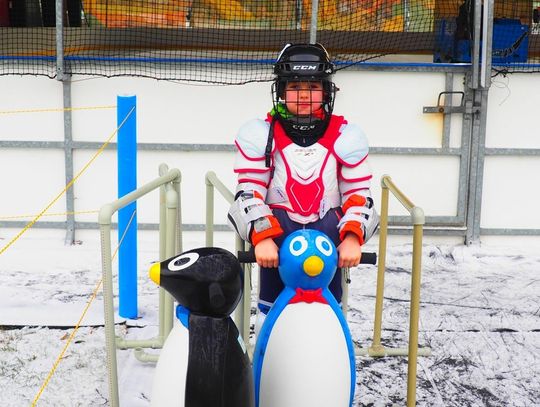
127	182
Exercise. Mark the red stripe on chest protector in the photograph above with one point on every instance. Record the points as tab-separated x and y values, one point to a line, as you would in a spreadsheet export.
306	198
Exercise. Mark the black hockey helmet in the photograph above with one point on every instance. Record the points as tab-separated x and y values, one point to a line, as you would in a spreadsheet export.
304	62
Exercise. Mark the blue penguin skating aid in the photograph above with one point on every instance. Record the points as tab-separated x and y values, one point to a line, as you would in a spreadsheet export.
204	361
304	355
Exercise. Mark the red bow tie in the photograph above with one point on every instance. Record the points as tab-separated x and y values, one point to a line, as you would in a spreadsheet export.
308	296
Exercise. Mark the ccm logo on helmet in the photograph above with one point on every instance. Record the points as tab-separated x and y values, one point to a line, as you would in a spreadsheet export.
304	67
303	127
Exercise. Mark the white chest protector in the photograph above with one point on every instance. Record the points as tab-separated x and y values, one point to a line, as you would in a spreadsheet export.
305	180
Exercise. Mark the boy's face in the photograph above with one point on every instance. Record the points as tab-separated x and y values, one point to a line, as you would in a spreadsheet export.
303	98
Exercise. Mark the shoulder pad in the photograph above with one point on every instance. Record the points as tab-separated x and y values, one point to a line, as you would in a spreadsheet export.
252	138
351	147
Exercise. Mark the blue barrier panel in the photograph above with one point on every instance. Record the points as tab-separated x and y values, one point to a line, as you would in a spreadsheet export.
127	182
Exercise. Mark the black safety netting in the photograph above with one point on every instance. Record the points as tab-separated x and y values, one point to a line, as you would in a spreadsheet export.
235	41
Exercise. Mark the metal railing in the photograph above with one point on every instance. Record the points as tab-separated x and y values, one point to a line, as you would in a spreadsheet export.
170	243
243	311
377	349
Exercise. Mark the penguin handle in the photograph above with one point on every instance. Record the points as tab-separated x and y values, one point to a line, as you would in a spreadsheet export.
368	258
249	257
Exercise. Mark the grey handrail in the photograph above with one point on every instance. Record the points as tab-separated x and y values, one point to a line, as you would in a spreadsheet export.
243	310
377	349
170	242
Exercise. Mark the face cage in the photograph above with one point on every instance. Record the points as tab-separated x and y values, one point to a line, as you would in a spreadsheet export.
329	93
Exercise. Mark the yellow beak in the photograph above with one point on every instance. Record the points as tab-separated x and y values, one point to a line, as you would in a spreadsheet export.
313	266
155	272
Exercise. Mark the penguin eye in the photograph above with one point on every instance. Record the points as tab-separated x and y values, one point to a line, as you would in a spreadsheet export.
298	245
183	261
324	245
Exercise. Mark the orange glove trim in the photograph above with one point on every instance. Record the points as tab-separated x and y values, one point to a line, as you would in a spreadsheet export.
274	231
352	227
354	200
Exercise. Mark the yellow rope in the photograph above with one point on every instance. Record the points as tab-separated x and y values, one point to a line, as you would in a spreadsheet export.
76	328
71	109
69	185
47	214
51	372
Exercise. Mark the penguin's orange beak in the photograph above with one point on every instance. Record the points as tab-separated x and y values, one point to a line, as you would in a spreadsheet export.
313	266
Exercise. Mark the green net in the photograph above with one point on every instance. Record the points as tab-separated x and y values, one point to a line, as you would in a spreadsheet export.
235	41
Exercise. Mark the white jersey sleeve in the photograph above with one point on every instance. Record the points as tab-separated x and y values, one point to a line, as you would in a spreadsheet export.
352	145
249	214
250	160
355	176
352	150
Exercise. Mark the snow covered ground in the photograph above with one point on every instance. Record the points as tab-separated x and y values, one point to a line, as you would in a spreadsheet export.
480	315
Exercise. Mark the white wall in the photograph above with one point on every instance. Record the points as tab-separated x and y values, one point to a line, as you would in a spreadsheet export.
388	105
511	188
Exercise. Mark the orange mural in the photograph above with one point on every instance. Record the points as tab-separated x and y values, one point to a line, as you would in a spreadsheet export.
124	14
358	15
160	14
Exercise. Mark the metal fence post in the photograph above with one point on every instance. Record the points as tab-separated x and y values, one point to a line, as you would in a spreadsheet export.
314	20
376	348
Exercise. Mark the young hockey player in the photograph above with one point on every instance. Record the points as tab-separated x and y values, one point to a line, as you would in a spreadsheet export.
302	167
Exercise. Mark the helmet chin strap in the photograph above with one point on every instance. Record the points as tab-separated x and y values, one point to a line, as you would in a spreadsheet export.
305	123
304	129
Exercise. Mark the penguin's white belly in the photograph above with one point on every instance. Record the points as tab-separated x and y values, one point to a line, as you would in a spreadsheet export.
306	361
169	387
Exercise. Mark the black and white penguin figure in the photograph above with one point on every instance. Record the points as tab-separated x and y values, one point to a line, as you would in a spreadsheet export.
204	361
